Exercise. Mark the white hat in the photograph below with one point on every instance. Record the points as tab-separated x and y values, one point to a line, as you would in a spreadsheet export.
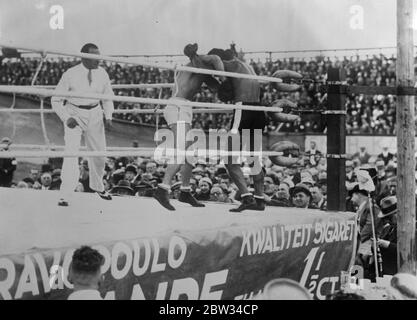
365	180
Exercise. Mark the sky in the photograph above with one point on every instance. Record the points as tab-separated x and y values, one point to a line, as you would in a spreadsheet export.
165	26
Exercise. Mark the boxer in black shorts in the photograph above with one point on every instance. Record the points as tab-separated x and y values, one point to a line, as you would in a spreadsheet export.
246	92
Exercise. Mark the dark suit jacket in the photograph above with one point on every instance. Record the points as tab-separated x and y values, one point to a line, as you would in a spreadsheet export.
386	159
389	255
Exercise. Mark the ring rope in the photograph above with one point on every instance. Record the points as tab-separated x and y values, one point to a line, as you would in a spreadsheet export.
117	86
55	93
130	153
152	65
119	111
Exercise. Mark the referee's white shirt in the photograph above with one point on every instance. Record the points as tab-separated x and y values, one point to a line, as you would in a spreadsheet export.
76	79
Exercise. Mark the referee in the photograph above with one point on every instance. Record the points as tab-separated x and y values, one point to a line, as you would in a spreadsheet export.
84	117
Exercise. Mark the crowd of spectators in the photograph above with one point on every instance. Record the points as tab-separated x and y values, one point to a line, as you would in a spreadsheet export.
302	185
365	114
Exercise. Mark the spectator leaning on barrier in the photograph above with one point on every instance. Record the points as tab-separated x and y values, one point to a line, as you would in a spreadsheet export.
46	181
318	199
56	179
282	196
85	274
301	196
205	185
7	165
217	194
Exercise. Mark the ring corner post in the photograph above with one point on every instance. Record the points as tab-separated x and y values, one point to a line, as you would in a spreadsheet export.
336	140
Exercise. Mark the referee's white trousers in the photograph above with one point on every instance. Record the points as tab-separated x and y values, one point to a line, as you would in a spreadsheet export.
91	125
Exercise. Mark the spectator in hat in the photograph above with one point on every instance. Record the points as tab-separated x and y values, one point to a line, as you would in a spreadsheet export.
85	274
350	173
56	179
123	188
308	181
34	175
282	196
46	181
144	189
204	185
84	179
301	196
385	155
29	181
317	198
55	162
201	164
7	165
46	168
363	155
217	194
389	189
130	173
387	240
151	172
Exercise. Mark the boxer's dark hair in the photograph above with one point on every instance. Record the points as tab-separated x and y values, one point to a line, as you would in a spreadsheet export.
86	48
229	54
190	50
219	52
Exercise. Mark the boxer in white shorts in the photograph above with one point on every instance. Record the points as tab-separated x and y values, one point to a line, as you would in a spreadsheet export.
176	112
187	84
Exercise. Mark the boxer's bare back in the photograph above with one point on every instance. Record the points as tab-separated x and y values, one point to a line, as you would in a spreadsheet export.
187	84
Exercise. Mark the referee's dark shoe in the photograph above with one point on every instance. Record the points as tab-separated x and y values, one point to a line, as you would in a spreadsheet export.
104	195
162	196
248	203
63	203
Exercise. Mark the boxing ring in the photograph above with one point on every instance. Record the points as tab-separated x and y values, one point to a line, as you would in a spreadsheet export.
150	253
